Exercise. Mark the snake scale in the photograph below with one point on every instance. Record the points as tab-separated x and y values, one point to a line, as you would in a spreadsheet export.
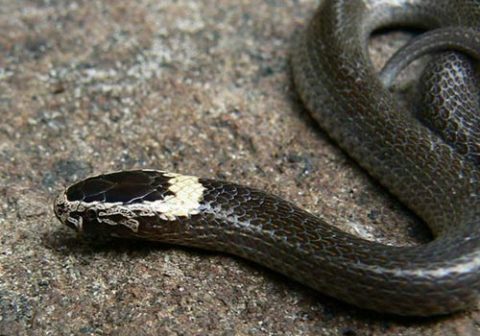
428	158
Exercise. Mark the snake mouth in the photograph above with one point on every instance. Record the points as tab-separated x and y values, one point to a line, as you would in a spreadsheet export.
63	213
59	207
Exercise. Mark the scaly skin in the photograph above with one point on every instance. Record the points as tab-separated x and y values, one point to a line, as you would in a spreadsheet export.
440	183
337	82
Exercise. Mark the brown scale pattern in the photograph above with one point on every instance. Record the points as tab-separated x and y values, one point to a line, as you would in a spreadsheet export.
450	102
426	171
429	173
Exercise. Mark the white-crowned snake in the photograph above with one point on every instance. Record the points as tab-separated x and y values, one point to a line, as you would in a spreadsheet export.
428	158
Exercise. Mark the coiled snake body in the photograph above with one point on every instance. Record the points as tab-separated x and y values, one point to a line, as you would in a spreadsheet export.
434	171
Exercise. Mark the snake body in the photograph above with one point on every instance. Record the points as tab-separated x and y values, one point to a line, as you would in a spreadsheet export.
438	180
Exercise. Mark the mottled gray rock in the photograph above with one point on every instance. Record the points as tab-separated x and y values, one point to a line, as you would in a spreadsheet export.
197	87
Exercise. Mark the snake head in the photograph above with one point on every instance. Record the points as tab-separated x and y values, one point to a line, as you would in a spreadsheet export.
128	203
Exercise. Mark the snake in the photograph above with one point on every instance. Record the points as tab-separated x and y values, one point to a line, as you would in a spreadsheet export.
425	156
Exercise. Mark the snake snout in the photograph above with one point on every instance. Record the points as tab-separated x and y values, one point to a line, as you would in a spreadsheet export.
59	207
63	212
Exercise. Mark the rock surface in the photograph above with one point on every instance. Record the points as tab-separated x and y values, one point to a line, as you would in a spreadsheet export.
197	87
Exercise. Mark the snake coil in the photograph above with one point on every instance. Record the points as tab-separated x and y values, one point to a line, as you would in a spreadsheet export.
427	158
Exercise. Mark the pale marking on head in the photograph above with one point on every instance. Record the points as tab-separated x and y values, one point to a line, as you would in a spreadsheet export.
64	216
188	193
78	223
187	190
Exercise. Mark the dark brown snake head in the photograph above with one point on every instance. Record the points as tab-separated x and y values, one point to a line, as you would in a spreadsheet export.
119	203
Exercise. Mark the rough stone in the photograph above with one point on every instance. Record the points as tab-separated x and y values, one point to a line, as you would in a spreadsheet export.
196	87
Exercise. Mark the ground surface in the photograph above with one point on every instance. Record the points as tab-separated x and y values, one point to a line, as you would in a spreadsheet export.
198	87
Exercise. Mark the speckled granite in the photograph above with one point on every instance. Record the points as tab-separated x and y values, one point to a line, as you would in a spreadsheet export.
198	87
